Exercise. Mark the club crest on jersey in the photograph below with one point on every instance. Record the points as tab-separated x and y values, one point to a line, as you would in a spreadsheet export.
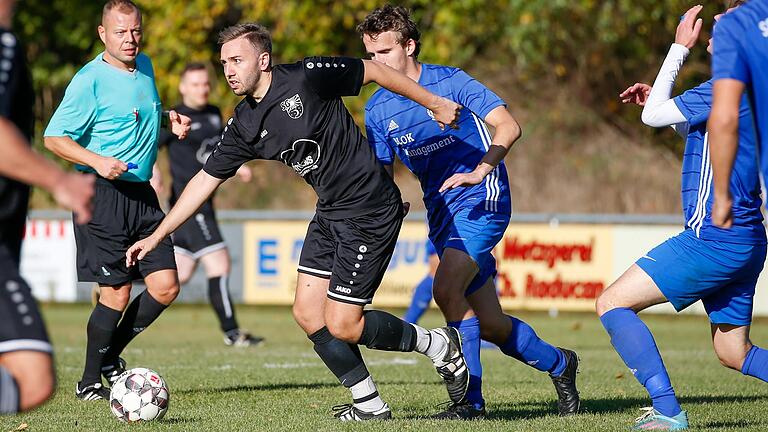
293	106
303	156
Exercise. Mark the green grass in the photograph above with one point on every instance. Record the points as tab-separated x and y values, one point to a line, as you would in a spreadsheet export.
284	386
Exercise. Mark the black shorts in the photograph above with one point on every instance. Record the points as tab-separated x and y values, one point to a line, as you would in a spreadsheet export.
199	235
123	213
21	325
353	253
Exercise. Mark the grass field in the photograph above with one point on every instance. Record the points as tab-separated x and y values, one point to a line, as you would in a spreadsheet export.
282	385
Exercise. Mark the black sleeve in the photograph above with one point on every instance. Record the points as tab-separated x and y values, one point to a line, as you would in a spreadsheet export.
11	67
332	77
165	138
230	153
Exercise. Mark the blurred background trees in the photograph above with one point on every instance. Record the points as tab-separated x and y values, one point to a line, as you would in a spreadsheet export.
560	65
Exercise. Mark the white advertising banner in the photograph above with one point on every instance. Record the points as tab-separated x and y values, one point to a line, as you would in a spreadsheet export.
48	260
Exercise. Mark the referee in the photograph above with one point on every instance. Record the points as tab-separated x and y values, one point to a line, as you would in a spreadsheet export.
108	124
199	238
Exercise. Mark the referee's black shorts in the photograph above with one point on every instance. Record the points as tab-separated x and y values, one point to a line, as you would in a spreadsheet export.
123	213
353	253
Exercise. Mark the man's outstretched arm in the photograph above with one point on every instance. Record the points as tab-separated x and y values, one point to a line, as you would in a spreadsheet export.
723	128
446	111
198	190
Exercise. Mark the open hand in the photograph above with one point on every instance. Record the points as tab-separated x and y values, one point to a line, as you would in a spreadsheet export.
636	94
462	180
689	28
179	124
140	249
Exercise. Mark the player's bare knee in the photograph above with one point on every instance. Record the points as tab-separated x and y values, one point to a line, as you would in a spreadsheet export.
307	319
35	389
494	330
345	328
166	293
604	304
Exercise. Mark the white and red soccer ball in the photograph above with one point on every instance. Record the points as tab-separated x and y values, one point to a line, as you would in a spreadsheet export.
139	394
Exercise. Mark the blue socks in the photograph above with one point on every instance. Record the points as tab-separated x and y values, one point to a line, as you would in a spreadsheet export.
756	364
635	345
524	345
470	340
422	295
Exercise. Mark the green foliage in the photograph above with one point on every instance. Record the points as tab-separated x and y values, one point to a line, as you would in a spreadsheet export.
594	48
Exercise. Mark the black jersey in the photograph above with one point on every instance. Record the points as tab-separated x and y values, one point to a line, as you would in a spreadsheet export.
302	122
188	156
16	103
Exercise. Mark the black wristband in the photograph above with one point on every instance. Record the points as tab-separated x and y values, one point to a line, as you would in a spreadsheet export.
165	119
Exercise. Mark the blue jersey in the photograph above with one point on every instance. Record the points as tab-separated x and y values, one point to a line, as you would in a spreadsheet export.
112	112
741	53
696	104
397	125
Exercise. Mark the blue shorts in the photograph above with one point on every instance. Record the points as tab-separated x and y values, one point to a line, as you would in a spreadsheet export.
722	275
475	233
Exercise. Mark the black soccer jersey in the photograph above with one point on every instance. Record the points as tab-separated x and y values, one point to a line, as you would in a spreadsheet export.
188	156
16	103
302	122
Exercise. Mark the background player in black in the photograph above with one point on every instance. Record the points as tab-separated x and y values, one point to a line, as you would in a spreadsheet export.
294	113
199	238
26	363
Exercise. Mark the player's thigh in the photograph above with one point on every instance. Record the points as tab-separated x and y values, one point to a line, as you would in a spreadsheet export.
216	263
634	290
185	265
731	344
494	324
310	301
34	375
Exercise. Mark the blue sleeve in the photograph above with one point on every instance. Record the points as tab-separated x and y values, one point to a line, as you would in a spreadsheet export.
728	60
470	93
77	111
696	103
377	139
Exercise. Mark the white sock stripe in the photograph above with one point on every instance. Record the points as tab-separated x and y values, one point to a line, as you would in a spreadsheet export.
316	271
224	290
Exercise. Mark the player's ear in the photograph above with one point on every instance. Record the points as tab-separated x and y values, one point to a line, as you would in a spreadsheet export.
102	34
265	61
410	47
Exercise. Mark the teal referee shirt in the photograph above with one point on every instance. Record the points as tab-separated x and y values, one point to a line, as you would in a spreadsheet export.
114	113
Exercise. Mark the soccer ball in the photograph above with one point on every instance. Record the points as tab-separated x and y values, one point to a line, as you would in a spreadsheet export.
139	394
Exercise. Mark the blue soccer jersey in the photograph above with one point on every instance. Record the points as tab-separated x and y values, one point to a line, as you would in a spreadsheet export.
696	104
398	126
741	53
